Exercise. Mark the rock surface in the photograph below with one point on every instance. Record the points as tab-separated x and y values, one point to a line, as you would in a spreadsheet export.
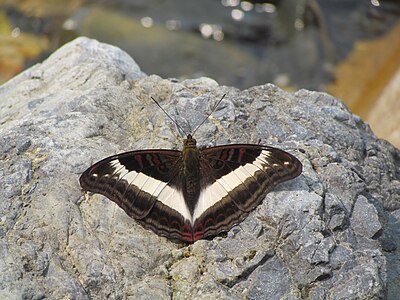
332	233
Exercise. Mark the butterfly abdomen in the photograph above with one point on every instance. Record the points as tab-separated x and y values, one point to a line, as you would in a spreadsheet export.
190	176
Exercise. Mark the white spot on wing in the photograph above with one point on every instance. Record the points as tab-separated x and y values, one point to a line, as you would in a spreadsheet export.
262	160
265	153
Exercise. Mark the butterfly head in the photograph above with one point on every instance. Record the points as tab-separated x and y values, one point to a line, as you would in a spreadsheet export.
189	142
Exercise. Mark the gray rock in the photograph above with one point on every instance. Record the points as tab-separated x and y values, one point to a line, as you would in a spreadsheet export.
364	219
328	234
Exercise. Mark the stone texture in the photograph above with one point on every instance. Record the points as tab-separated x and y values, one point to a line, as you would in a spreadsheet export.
332	233
365	219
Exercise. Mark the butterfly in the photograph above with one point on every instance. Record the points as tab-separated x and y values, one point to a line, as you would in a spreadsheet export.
194	193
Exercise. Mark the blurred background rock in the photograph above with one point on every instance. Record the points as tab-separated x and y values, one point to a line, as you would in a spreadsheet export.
349	48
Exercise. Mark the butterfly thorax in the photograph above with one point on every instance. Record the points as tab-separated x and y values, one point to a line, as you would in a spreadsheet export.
190	172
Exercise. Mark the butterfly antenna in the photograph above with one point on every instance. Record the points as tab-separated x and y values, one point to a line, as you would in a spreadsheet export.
205	119
176	123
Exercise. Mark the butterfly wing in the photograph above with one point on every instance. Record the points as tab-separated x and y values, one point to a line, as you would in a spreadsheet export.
146	185
235	179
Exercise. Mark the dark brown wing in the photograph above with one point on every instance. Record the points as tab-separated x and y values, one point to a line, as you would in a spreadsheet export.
235	179
146	185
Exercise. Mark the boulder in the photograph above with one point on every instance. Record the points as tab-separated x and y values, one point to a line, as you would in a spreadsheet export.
331	233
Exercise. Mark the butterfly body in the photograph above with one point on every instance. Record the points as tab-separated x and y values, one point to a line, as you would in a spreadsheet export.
194	193
190	172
